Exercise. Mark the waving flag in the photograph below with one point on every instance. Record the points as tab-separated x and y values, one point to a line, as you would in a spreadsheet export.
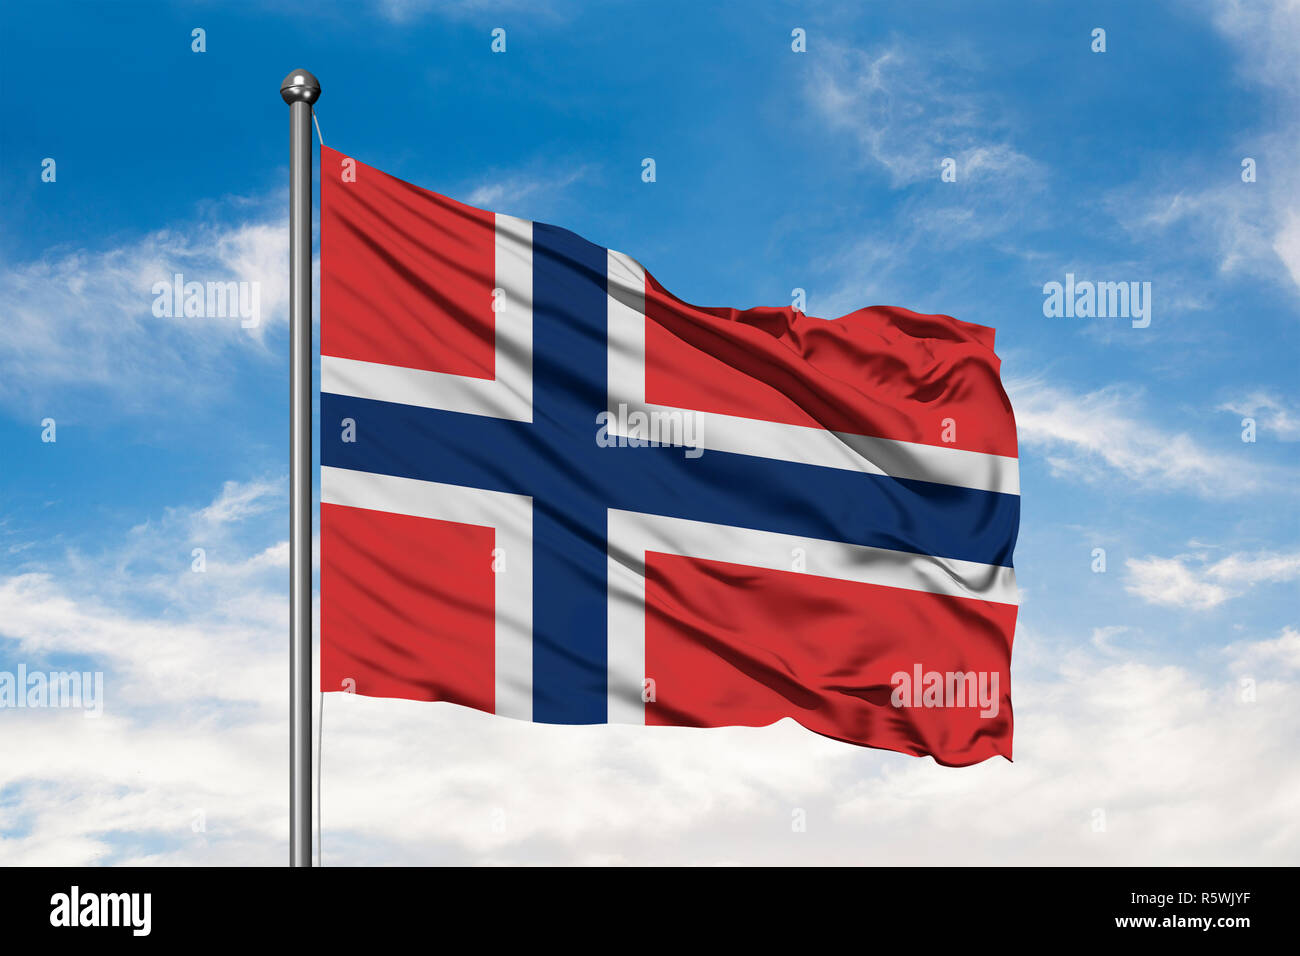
551	490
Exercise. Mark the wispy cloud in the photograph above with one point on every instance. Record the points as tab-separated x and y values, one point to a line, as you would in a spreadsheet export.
1170	582
1245	229
82	322
239	500
1267	30
1278	656
1101	434
1189	581
1258	568
907	119
511	191
908	109
1251	229
1276	416
404	11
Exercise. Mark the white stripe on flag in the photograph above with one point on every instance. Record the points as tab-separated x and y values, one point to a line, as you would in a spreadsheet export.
510	394
632	534
512	518
796	443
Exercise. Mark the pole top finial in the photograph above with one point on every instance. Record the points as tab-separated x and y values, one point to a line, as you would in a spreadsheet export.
300	86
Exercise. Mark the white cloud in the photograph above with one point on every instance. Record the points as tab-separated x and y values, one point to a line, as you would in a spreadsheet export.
1099	434
1276	416
1286	243
196	721
82	322
907	110
1103	637
1162	758
1258	568
1250	228
1170	582
1247	229
1280	654
404	11
222	654
1268	33
907	118
1186	581
239	500
510	191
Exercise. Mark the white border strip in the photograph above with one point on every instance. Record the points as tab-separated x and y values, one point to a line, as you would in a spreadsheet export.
509	395
632	534
796	443
512	518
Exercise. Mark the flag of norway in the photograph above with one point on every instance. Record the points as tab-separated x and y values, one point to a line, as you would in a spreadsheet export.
551	490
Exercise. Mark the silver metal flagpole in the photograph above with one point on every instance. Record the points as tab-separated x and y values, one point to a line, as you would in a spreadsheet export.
300	90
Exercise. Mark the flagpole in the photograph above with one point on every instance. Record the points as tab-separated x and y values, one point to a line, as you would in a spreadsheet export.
300	90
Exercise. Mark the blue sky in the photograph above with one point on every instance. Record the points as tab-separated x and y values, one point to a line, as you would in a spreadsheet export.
775	170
